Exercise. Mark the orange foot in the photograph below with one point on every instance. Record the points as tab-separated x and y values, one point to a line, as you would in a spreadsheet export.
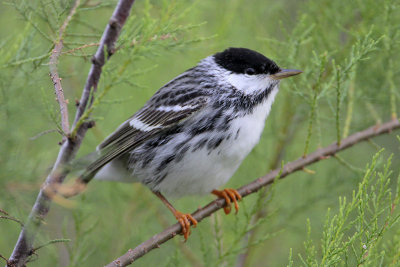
183	219
230	195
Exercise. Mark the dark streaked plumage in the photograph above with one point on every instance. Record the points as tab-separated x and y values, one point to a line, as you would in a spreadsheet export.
192	135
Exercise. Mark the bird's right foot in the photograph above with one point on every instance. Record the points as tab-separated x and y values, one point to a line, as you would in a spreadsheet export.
184	220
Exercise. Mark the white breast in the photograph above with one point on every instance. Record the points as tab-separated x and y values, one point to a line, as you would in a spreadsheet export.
251	126
203	171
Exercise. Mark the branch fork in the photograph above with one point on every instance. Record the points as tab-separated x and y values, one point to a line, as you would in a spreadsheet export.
71	143
73	138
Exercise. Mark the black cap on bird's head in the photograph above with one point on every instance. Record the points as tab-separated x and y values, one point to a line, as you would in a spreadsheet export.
243	60
246	61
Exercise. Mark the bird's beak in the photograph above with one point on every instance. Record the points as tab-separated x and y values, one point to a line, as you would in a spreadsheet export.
284	74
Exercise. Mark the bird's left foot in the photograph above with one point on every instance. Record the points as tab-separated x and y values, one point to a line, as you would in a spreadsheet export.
230	195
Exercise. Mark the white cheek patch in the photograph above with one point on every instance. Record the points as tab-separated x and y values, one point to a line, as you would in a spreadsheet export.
250	83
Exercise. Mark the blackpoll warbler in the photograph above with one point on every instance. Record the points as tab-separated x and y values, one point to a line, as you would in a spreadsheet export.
193	134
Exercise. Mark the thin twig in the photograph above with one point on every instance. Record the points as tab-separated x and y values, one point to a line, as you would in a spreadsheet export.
350	106
69	148
4	212
212	207
12	219
4	258
71	51
55	54
58	88
44	133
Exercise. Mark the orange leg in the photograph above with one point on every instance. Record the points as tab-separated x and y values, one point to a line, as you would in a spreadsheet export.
183	219
230	195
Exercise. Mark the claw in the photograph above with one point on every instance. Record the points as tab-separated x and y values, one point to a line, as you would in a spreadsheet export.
184	220
230	195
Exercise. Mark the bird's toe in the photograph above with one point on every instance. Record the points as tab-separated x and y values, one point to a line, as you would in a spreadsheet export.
230	195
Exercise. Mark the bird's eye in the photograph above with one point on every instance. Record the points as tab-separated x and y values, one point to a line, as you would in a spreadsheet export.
250	71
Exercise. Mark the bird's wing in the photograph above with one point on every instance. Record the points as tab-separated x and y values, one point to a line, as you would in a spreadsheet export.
146	123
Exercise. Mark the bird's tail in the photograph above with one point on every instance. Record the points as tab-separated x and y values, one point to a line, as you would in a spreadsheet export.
81	173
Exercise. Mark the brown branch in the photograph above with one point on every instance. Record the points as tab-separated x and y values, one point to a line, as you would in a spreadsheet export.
4	258
4	212
69	148
55	54
107	43
57	86
287	135
200	214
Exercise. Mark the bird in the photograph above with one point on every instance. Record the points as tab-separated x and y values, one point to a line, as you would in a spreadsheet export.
195	131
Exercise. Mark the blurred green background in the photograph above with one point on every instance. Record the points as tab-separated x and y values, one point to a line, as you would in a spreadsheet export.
348	50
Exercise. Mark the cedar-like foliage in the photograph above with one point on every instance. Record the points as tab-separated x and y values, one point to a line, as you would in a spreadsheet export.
348	51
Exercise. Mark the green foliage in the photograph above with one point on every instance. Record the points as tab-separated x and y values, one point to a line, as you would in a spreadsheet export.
348	53
140	39
355	235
